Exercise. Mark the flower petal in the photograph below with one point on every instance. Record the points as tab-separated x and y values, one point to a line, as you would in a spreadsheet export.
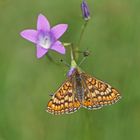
57	46
59	30
43	23
30	35
40	51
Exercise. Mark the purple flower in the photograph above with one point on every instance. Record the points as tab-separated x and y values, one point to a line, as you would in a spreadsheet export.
85	10
45	37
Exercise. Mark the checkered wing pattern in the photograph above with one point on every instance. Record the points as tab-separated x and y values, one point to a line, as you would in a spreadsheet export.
64	100
98	93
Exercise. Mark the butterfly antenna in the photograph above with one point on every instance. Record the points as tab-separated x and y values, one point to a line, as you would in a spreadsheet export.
82	61
64	62
85	54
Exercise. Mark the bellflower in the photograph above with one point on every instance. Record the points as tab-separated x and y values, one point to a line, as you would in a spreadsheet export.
45	37
85	10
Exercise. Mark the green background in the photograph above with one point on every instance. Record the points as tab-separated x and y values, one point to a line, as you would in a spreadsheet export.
112	36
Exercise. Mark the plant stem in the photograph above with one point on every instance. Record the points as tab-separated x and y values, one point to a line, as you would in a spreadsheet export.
73	52
82	32
80	38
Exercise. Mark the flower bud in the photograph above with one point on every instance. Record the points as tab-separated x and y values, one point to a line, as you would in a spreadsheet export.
85	10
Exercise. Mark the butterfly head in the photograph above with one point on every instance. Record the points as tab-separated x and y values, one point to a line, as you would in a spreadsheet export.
73	67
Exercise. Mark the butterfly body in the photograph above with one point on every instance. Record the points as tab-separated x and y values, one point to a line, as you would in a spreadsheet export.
81	90
78	86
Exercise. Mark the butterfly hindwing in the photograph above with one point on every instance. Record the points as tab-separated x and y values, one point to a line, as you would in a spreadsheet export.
63	101
98	93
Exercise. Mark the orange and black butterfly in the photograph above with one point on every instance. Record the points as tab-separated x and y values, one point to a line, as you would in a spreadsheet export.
81	90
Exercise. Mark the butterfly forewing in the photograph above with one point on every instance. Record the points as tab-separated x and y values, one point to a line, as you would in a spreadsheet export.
63	101
98	93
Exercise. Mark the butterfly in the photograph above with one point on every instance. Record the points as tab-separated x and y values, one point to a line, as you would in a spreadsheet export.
81	90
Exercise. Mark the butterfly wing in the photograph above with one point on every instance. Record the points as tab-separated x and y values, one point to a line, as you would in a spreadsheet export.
98	93
64	100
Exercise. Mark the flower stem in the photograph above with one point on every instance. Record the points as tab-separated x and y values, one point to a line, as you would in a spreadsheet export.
73	52
66	44
82	32
81	36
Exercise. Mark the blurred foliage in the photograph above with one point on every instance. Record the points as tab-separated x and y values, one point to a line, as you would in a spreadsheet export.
25	82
